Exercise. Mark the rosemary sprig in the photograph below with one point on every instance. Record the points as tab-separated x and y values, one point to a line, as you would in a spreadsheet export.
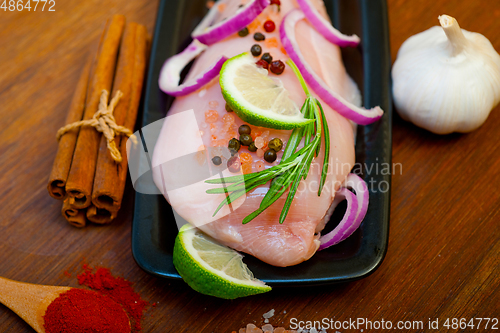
294	165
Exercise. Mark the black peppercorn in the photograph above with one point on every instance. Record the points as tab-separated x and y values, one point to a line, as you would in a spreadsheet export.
216	160
234	145
228	108
252	147
270	156
246	139
267	57
243	32
244	129
256	50
259	37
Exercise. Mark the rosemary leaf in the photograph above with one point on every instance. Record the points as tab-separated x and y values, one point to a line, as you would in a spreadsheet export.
326	134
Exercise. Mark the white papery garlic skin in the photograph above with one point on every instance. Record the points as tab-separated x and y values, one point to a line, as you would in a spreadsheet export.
446	79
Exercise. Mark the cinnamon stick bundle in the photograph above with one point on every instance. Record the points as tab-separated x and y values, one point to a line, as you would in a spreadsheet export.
81	174
88	172
110	176
62	163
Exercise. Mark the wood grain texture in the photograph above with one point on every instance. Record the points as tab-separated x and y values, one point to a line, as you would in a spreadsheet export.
443	255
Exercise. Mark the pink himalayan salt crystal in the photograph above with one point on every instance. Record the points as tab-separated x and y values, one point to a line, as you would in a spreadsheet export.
211	116
228	126
259	165
260	152
242	330
265	134
220	143
200	157
213	128
213	104
231	135
259	142
251	328
279	330
268	328
228	118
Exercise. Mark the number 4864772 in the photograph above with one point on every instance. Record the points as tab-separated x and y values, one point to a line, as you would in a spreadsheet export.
19	5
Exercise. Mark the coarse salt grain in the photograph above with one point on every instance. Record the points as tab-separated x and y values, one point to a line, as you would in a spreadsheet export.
268	314
246	168
228	118
251	328
259	166
268	328
213	128
259	142
246	158
200	157
211	116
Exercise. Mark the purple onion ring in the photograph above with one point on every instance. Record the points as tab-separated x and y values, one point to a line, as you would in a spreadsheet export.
325	28
172	68
357	206
357	114
209	34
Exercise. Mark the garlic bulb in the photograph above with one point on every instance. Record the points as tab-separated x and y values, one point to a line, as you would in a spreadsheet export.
446	79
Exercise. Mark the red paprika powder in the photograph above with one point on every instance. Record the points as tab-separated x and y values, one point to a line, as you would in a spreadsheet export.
85	311
118	289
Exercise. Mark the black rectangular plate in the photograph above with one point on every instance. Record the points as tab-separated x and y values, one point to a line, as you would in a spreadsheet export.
154	228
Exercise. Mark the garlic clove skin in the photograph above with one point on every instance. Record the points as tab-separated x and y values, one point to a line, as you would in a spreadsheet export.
446	79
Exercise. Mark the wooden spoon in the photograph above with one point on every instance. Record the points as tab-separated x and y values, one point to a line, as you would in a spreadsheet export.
29	301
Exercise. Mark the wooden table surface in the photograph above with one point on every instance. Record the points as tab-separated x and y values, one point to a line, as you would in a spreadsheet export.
443	255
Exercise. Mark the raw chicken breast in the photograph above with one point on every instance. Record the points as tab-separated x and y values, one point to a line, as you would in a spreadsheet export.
296	239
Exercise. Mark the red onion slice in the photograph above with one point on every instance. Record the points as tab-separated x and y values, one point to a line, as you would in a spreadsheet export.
170	73
209	34
325	28
357	114
357	206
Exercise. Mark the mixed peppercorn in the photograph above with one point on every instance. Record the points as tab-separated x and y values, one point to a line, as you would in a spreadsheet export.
245	139
254	142
266	60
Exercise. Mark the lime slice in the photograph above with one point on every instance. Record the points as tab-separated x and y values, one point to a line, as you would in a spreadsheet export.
257	98
211	268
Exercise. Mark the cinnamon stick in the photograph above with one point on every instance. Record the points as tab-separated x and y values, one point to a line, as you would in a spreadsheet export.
110	177
62	162
81	174
75	217
100	215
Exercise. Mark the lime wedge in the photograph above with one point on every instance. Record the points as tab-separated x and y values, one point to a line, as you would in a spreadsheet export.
257	98
211	268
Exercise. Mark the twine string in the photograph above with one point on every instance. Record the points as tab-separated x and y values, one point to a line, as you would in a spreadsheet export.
103	121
